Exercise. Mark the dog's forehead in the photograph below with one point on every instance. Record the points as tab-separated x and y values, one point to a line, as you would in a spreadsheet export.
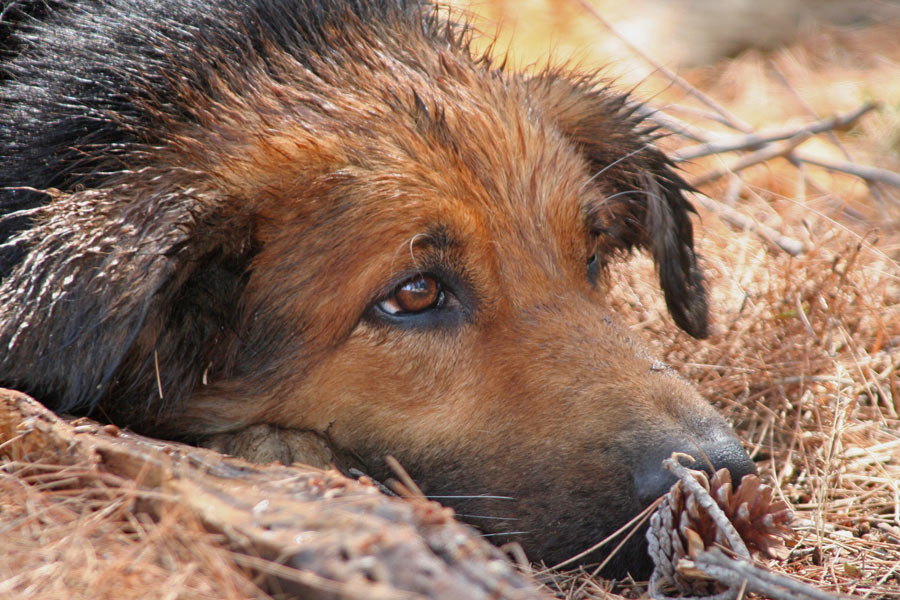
411	148
402	130
495	168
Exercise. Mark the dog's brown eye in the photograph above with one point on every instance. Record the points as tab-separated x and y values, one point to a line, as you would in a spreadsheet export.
414	295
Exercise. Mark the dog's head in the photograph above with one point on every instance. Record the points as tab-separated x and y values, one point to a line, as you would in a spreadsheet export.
403	249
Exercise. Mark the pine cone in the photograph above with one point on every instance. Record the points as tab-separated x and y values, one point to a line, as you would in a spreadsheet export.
681	528
762	522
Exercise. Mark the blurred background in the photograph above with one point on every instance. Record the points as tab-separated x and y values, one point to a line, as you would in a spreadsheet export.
688	33
770	63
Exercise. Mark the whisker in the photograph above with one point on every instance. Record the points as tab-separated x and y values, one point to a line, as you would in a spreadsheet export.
626	193
634	524
356	473
487	517
475	496
505	533
615	162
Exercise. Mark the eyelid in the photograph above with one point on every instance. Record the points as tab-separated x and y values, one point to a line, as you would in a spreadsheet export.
593	263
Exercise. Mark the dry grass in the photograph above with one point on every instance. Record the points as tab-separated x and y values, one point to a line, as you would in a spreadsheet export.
805	364
804	359
66	533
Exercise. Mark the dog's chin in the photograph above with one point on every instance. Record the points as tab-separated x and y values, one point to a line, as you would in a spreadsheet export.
580	528
621	556
616	559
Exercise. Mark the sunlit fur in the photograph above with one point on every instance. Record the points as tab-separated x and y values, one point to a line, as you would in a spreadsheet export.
206	200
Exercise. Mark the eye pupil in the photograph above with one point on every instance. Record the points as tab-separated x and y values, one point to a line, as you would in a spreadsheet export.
417	294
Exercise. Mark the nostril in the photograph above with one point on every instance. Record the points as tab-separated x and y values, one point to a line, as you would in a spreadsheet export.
732	457
652	480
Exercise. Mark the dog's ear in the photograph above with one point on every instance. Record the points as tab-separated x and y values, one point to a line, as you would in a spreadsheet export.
643	203
121	293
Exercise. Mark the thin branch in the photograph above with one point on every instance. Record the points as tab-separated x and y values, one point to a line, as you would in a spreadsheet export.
754	158
871	174
786	82
734	572
755	141
874	187
743	222
676	126
730	119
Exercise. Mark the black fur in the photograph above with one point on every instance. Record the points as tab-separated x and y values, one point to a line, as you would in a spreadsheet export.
92	81
645	206
90	99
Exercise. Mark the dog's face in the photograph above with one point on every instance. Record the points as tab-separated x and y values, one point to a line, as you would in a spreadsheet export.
432	277
391	244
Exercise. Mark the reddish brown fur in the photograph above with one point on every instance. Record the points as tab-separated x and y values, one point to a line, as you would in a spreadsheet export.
539	375
347	174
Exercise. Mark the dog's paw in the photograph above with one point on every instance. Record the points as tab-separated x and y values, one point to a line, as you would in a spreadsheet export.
264	444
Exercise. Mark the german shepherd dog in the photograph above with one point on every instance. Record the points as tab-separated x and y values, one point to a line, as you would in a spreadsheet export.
333	217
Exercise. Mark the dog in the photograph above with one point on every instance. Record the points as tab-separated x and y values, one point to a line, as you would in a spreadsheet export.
226	221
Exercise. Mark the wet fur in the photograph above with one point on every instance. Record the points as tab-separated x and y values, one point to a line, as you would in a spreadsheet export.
204	201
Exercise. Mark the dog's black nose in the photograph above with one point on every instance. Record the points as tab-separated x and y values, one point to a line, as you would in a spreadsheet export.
652	480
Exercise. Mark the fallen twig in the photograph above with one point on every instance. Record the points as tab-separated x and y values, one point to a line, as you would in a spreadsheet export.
738	575
738	572
755	141
669	122
765	145
873	187
754	158
871	174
